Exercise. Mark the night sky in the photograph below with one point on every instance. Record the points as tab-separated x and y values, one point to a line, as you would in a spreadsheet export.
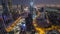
14	2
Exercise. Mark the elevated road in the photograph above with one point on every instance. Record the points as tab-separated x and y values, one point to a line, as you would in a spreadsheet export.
19	20
41	30
10	28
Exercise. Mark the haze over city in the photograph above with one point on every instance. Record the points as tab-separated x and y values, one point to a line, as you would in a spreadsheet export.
35	1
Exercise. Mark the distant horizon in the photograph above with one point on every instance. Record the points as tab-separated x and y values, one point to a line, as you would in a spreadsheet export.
38	5
15	2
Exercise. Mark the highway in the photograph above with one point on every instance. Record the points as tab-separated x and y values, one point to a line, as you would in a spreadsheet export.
18	20
41	30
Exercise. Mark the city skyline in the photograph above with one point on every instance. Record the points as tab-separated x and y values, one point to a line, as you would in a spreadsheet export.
14	2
